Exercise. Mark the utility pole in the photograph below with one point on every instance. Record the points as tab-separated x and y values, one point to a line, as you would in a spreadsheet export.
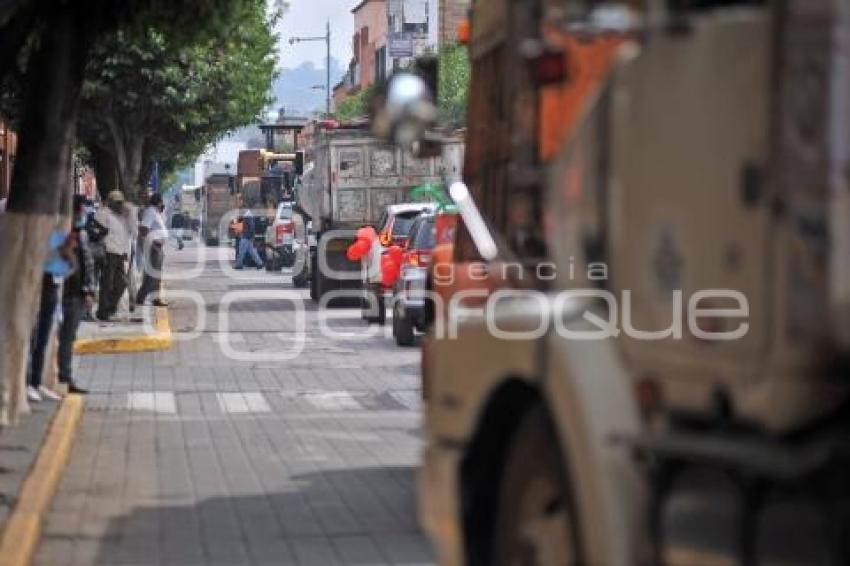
328	70
327	39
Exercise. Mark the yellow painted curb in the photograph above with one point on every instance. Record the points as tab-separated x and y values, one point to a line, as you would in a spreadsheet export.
23	528
159	340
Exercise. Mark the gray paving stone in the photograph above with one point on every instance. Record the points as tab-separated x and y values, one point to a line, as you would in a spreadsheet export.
291	483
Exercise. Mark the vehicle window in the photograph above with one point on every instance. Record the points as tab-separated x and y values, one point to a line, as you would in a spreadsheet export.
382	223
403	223
425	236
284	213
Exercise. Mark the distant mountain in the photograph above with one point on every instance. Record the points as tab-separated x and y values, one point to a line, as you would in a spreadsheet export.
293	89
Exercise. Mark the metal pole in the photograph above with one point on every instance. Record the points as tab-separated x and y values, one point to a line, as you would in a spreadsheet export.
328	71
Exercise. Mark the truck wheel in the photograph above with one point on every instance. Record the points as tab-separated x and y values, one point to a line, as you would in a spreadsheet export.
402	327
536	519
321	284
301	280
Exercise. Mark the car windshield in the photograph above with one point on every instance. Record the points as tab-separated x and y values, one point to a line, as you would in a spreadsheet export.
382	223
403	223
284	213
425	236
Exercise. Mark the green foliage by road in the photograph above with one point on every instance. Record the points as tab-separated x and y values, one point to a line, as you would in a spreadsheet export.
45	48
455	73
153	97
453	87
355	106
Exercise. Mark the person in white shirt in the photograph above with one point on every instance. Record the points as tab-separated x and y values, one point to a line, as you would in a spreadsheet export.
116	243
154	234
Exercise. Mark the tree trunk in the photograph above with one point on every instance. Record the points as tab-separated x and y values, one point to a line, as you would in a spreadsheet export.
129	152
52	88
134	170
105	171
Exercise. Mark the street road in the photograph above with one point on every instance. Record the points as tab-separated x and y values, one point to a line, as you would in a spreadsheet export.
221	452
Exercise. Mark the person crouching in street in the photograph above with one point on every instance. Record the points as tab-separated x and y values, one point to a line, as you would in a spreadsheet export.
77	297
246	243
154	234
116	242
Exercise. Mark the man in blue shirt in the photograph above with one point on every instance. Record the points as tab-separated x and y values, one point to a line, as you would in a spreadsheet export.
59	263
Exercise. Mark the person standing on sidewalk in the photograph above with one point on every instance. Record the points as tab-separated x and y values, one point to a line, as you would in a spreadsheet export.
113	275
153	236
77	297
59	264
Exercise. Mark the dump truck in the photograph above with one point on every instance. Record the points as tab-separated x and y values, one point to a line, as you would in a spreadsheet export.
264	180
650	365
352	179
218	198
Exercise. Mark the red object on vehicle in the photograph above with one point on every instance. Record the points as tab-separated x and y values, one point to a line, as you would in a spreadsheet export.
358	249
391	266
418	258
367	233
328	124
395	253
390	271
285	227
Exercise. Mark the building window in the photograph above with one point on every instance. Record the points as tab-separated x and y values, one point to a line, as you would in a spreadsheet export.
416	28
381	64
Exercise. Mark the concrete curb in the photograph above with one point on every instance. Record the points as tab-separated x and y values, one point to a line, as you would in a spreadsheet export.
159	340
20	538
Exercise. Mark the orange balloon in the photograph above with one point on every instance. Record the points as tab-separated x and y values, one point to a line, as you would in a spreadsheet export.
357	250
367	233
396	253
390	271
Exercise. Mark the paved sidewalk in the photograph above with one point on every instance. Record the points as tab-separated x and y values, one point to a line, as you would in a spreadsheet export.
124	324
193	456
19	446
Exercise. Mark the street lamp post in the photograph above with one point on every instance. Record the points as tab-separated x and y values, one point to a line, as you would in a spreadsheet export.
327	39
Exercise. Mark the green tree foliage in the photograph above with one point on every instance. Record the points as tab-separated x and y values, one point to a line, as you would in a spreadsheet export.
149	97
45	48
355	106
455	73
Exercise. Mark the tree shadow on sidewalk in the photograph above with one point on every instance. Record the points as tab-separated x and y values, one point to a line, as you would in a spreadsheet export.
344	516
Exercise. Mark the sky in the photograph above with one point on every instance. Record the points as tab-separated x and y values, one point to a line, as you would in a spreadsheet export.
308	18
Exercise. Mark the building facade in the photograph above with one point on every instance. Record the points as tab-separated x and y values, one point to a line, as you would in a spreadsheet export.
389	34
451	13
408	23
369	44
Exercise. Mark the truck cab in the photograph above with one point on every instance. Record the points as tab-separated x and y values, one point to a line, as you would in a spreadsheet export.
667	202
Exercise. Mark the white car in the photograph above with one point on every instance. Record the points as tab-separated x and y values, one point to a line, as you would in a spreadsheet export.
280	237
